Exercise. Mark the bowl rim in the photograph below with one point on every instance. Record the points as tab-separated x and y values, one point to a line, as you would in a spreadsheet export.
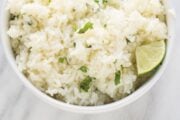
89	109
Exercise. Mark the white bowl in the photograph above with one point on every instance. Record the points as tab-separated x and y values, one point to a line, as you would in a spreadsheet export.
94	109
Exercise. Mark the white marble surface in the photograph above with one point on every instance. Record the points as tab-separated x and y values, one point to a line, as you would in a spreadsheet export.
161	103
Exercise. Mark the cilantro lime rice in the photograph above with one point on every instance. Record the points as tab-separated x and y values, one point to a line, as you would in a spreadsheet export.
83	51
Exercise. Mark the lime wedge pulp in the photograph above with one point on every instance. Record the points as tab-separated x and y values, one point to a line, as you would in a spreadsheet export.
149	56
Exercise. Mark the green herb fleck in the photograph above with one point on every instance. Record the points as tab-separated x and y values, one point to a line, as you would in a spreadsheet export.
85	84
105	25
63	60
83	69
13	17
88	46
74	44
29	23
105	1
117	77
128	41
97	1
73	10
86	27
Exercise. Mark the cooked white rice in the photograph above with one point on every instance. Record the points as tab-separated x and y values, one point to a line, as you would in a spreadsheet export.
50	49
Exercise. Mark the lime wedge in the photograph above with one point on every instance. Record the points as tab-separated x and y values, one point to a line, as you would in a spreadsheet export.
149	56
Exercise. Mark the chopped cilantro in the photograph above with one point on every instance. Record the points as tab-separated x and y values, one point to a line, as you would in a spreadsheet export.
105	25
105	1
86	27
88	46
29	23
97	1
85	84
63	60
83	69
13	17
117	77
74	44
128	41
